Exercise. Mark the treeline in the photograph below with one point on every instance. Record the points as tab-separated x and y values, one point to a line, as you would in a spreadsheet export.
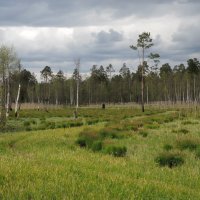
105	85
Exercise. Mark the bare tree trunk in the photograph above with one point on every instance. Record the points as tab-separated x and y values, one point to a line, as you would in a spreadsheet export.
142	84
8	97
77	67
147	94
17	100
194	89
71	94
187	92
129	82
77	94
3	110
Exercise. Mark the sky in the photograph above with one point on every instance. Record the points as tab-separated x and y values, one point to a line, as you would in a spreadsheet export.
57	32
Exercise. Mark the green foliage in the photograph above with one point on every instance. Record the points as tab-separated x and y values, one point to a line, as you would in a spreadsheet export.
152	126
143	133
189	143
51	125
167	147
170	159
109	132
27	123
93	139
183	130
2	180
97	145
27	159
89	136
81	142
117	151
197	152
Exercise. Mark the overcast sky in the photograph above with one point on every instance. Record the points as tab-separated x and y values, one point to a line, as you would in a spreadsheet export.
55	32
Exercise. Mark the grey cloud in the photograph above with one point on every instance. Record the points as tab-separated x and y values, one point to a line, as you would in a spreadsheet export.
87	12
101	31
108	37
186	40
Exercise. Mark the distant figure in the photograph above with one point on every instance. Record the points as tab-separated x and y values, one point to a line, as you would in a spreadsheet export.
75	114
103	106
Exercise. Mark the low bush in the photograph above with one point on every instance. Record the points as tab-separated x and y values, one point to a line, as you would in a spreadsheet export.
197	153
64	125
110	133
188	143
92	121
167	147
27	123
152	126
183	130
75	123
51	125
89	136
81	142
170	159
117	151
28	128
188	122
33	121
97	146
143	133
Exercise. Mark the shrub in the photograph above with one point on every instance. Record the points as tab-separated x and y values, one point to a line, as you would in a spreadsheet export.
152	126
117	151
170	159
188	143
92	121
33	121
81	142
188	122
27	123
184	131
167	147
90	136
75	123
64	125
2	179
197	152
42	119
51	125
97	145
110	133
143	133
28	128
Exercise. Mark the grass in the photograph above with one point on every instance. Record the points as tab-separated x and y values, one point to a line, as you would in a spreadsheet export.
170	159
47	164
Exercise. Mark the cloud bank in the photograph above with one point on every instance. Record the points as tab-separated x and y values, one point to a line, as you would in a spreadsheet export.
55	33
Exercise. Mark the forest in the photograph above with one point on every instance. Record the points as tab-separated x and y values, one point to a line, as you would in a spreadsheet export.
106	85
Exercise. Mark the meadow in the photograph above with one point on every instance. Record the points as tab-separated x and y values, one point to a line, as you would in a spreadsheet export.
116	153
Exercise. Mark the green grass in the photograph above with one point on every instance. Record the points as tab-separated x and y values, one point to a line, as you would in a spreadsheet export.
47	164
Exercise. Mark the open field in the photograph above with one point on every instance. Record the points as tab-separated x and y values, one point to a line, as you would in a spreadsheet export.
51	155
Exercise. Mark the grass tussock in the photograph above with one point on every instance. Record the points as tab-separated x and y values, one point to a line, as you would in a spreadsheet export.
170	159
190	143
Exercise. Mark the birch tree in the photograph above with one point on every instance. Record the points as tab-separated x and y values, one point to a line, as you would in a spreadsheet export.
8	60
18	92
77	78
